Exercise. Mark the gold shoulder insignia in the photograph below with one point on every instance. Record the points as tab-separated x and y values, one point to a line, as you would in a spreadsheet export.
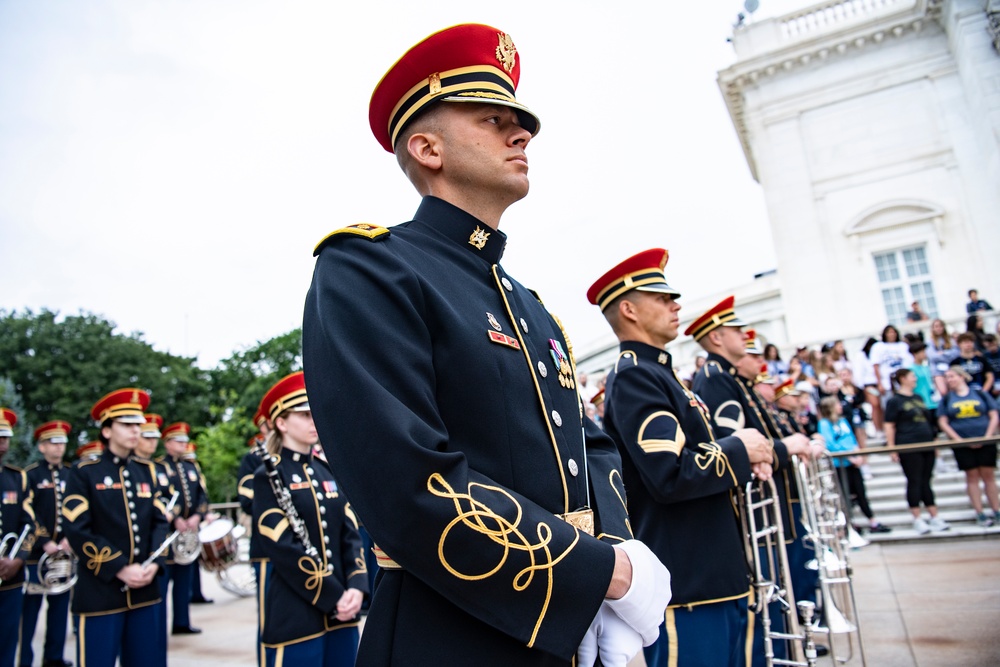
86	462
370	232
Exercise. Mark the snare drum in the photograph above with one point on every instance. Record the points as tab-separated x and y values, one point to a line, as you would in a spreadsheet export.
218	545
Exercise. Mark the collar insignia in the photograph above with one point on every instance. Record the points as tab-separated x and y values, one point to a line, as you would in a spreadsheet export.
478	238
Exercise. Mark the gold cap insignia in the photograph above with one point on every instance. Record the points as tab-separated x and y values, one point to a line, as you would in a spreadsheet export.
506	52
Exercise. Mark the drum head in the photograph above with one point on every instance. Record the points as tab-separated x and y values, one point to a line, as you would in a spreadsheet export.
215	530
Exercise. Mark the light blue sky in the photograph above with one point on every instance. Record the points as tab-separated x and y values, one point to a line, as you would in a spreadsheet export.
170	165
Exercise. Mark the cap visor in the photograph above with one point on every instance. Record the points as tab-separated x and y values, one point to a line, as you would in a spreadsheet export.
301	407
6	433
130	419
525	115
660	289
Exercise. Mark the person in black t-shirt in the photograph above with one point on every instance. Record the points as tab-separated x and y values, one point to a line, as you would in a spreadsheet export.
906	422
973	363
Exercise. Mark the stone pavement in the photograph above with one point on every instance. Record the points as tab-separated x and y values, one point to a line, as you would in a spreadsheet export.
922	604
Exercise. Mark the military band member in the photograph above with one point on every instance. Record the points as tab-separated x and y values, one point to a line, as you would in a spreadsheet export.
89	450
114	520
191	454
680	477
732	406
248	466
145	451
16	520
47	480
192	505
318	576
498	509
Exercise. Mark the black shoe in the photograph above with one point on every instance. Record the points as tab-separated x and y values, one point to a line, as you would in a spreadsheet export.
57	663
185	630
201	601
879	528
821	650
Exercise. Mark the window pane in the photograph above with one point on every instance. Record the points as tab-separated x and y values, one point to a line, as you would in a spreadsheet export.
916	262
895	304
924	293
886	266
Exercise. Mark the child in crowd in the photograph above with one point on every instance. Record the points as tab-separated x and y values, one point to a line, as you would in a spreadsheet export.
839	437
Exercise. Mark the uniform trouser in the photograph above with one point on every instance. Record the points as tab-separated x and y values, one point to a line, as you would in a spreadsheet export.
10	617
56	617
158	655
261	572
336	648
102	639
180	597
196	593
706	635
804	580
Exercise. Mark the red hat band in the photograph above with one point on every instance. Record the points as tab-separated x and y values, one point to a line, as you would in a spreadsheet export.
643	272
57	432
289	393
177	431
125	405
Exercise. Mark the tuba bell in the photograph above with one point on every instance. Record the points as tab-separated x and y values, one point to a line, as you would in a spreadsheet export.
187	548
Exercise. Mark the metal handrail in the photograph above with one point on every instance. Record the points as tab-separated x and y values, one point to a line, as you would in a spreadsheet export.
918	446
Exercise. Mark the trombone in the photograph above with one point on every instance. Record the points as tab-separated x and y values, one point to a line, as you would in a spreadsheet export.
772	582
827	526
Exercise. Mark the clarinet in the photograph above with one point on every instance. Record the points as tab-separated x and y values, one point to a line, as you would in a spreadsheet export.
284	498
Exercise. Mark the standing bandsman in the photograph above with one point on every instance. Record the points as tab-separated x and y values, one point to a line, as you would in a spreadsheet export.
191	507
318	575
145	451
732	406
191	454
115	520
89	450
17	525
680	477
47	480
248	466
498	507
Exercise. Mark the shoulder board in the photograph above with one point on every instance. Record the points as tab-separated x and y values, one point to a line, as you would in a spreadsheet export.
87	461
712	368
629	357
161	459
537	298
12	467
139	459
370	232
31	466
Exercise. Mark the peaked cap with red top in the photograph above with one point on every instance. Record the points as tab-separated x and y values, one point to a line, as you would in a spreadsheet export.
124	405
8	419
289	393
56	432
719	315
151	429
464	63
177	431
643	272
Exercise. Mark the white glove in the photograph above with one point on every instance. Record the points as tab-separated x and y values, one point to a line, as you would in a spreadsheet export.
611	638
642	607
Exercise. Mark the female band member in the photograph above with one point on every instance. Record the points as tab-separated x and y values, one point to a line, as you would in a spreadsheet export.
309	534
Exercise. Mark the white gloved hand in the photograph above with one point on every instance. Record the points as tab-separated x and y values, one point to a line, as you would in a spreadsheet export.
617	641
643	605
611	638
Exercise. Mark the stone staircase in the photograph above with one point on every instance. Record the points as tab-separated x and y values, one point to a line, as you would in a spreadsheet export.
887	496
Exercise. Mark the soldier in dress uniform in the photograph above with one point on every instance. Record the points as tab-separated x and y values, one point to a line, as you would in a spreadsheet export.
681	478
145	451
192	505
47	480
89	450
318	577
17	521
191	454
733	405
498	508
115	520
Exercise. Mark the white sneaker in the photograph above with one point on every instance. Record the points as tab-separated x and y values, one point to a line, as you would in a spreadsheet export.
939	525
921	526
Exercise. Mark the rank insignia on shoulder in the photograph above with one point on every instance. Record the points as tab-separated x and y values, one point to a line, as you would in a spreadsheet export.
504	339
368	231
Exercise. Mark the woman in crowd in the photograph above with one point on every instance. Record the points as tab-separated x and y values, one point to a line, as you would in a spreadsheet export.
974	326
839	437
318	577
907	422
776	368
967	412
866	378
852	401
941	349
838	356
888	356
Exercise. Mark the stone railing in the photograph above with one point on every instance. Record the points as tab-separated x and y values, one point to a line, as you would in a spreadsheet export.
832	15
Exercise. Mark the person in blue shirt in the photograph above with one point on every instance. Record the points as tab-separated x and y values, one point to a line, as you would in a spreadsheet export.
976	304
839	437
968	412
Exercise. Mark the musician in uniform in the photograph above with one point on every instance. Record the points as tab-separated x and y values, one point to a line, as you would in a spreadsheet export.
192	505
191	454
47	479
145	451
248	466
115	520
681	478
89	450
498	508
17	527
733	405
309	534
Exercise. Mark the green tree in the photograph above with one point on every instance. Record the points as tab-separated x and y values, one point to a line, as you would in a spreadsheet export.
61	366
22	450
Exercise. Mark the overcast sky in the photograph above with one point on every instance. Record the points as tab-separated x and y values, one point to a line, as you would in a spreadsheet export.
170	165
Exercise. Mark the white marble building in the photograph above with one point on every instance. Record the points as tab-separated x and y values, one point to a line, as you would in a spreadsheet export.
873	127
